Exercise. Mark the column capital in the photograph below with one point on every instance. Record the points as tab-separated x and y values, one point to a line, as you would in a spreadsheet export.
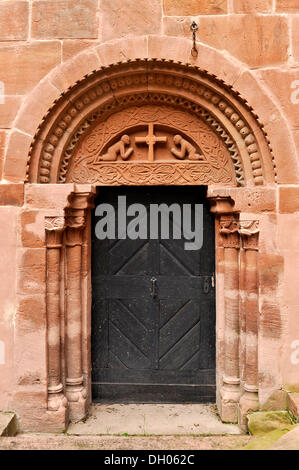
54	223
229	231
54	227
221	205
249	231
248	227
76	220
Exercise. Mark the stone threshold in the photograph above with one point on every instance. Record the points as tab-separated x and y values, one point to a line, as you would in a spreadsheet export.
153	420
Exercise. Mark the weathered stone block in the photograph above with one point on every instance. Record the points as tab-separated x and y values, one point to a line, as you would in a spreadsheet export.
266	441
177	26
126	18
71	47
3	136
277	401
287	6
34	109
54	196
194	7
293	404
32	229
254	200
23	66
286	90
295	37
8	110
14	20
261	422
31	317
288	199
75	69
252	6
289	441
64	19
116	51
255	40
16	157
288	240
11	194
32	271
290	282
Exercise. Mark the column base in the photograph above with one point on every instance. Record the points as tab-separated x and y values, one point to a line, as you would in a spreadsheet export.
249	402
57	413
229	400
77	401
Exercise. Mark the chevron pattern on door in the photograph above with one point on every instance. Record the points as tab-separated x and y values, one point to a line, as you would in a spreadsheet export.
157	348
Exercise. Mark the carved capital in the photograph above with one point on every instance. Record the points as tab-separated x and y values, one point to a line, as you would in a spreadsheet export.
54	223
248	227
221	205
249	231
54	227
76	221
229	226
229	233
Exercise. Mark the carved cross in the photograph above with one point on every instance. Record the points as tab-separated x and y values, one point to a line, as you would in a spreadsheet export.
150	140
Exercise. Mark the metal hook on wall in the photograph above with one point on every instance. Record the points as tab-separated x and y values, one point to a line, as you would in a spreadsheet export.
194	28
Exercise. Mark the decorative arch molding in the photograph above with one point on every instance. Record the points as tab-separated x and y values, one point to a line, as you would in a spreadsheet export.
188	89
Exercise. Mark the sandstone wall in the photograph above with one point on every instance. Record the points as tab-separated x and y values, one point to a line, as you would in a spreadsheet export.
260	36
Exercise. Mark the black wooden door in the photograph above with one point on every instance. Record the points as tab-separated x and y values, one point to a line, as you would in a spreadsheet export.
153	316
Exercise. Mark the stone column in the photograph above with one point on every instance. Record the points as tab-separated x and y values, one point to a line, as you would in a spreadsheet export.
56	399
230	393
76	217
227	302
249	400
75	390
86	305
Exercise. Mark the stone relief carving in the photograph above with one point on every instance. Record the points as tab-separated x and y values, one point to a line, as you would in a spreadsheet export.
161	122
249	227
150	140
54	223
141	82
204	116
185	150
119	148
150	173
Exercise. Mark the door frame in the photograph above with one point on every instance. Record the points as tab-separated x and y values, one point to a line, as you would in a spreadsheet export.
68	239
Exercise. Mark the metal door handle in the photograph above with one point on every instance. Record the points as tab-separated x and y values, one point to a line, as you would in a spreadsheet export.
154	286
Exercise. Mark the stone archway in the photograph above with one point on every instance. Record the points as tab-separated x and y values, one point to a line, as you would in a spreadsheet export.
138	83
160	99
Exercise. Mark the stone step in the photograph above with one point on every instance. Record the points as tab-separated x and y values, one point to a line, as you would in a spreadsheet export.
8	424
289	441
293	404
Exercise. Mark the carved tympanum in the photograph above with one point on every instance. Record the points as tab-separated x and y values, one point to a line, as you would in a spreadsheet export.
155	148
140	83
